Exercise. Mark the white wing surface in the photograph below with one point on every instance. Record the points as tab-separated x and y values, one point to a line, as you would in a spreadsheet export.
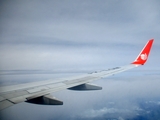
39	92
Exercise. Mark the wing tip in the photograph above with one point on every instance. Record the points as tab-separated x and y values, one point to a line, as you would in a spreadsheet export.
143	56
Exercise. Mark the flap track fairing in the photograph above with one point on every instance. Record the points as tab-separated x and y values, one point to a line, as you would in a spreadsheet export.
86	86
45	100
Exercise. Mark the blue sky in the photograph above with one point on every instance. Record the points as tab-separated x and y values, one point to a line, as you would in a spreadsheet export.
79	36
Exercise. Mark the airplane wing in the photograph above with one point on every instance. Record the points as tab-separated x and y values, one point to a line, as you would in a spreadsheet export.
39	92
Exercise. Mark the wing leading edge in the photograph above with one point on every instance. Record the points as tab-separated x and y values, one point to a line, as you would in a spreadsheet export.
39	92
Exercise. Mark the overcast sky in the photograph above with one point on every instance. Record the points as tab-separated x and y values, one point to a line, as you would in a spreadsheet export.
79	35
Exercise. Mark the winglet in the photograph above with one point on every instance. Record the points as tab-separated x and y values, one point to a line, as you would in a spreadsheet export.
143	56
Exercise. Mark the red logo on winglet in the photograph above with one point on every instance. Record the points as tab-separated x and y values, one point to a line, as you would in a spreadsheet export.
144	56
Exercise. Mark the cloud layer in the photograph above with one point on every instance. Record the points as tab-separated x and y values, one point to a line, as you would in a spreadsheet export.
77	36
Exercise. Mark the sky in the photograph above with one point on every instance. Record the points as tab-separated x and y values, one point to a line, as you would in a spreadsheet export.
40	40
